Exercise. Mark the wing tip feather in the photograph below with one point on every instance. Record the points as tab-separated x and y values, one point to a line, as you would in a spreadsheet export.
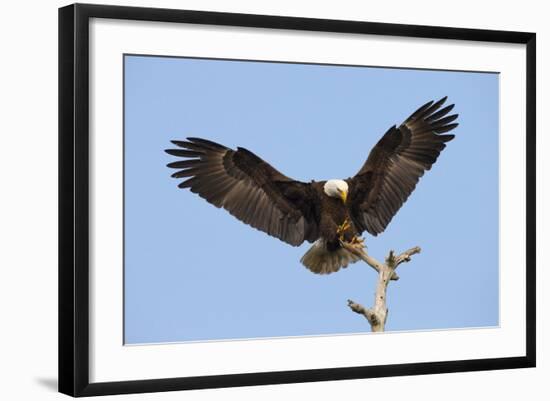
206	143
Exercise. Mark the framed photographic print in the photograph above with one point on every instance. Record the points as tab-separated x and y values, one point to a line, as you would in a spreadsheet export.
251	199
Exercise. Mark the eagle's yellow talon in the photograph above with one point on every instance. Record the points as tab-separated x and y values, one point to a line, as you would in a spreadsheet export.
342	228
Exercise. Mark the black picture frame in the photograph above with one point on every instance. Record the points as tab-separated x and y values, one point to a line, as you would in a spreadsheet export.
74	198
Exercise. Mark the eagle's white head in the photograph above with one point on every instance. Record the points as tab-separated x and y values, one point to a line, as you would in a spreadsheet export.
336	189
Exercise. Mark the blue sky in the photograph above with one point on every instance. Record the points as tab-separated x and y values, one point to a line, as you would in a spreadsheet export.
193	272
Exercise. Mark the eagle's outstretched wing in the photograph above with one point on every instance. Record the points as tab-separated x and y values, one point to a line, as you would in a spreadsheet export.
395	165
248	188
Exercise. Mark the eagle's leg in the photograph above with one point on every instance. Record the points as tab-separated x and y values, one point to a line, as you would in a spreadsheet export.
342	228
357	241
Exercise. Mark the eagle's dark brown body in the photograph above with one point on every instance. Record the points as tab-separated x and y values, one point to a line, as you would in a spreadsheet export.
293	211
332	214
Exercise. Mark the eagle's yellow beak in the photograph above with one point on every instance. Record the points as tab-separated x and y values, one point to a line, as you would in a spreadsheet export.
344	195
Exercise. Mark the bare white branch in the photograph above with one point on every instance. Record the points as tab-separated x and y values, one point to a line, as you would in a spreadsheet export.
378	314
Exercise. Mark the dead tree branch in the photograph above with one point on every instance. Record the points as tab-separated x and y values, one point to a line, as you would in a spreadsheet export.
378	314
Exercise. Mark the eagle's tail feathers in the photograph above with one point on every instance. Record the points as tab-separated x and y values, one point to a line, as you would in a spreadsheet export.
320	260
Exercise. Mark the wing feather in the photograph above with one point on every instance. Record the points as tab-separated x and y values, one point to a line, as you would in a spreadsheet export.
248	188
396	163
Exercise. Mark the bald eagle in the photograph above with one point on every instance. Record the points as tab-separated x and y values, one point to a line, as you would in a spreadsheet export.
324	213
